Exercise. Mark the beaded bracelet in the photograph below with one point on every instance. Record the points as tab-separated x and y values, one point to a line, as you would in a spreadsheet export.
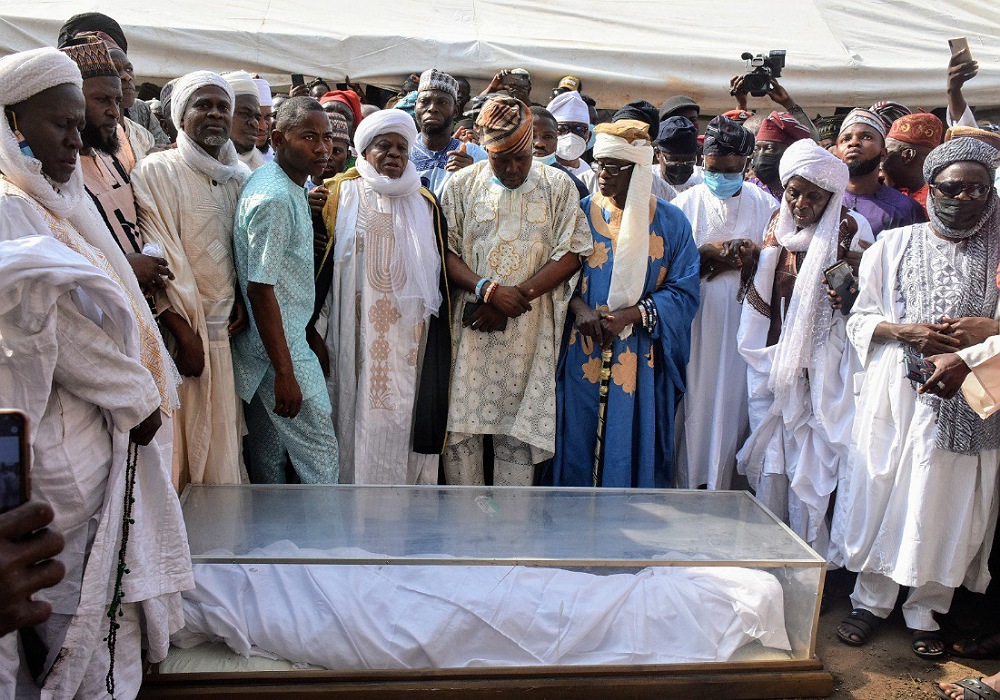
642	315
479	288
490	291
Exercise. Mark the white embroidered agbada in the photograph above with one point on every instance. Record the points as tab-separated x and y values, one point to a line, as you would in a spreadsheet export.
800	421
79	296
712	420
385	250
186	202
899	479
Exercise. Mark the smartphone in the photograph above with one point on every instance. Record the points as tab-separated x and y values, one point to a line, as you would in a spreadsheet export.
957	45
840	278
918	369
298	79
470	308
15	482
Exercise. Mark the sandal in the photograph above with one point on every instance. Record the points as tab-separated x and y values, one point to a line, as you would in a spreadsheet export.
863	624
979	648
973	690
922	641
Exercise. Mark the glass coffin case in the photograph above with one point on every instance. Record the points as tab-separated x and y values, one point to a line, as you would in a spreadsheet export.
457	590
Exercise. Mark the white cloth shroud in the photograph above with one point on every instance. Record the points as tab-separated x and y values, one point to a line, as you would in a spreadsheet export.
417	616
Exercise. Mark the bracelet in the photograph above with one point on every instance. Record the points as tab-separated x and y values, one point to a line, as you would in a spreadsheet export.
479	288
490	291
642	314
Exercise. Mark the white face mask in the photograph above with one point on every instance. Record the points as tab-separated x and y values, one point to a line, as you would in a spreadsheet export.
570	147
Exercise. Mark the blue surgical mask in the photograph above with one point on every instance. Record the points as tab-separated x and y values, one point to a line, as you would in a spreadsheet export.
547	160
496	181
592	140
723	185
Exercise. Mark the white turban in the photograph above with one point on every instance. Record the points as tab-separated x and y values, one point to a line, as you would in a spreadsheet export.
569	107
386	121
227	165
28	73
187	85
628	276
415	250
807	322
264	92
242	83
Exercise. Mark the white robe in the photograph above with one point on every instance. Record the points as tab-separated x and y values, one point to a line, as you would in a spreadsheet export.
913	512
71	362
191	217
712	420
253	158
795	461
375	352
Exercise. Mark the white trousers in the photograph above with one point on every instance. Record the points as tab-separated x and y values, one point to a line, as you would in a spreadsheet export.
877	594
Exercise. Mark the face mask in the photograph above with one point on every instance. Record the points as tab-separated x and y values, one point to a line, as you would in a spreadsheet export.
592	140
678	174
765	166
22	143
570	147
723	185
957	214
546	160
496	181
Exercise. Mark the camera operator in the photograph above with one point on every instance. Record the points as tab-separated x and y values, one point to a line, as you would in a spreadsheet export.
778	95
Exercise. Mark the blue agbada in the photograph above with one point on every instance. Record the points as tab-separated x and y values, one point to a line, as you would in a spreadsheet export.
648	368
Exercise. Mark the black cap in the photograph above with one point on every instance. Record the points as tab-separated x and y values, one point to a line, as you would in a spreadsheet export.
92	22
675	103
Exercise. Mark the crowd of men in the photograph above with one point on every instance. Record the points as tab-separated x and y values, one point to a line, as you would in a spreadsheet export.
226	285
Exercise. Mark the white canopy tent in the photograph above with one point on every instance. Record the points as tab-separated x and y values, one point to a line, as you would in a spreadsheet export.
840	52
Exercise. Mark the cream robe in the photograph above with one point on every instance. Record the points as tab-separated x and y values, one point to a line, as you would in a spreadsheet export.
504	383
712	420
912	512
191	218
253	158
982	386
795	460
375	353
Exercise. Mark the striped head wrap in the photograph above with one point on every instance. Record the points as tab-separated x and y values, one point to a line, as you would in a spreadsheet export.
727	137
506	125
866	117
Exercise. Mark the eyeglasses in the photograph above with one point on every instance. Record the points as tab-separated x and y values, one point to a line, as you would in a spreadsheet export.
613	170
952	188
581	130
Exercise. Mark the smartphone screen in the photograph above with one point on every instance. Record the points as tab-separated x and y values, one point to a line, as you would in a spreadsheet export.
14	483
958	44
298	79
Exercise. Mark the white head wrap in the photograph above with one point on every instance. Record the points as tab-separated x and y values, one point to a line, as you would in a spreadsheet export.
807	322
30	72
263	92
628	276
23	75
228	164
415	250
242	83
569	107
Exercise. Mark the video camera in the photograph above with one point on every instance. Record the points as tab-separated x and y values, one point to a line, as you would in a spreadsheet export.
762	68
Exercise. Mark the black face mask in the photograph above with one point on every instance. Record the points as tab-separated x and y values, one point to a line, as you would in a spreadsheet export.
678	173
765	166
959	214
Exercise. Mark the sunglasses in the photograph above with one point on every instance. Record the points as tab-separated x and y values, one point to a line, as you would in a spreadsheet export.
952	188
581	130
613	170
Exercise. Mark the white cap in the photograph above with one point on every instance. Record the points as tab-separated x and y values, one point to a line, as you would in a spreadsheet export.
569	107
264	91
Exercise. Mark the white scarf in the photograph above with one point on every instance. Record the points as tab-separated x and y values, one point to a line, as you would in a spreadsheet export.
415	249
628	276
807	323
222	169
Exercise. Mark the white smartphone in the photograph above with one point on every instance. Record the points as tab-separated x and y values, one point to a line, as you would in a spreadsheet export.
957	45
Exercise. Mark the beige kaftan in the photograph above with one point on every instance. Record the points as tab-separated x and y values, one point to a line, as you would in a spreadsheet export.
191	217
503	383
